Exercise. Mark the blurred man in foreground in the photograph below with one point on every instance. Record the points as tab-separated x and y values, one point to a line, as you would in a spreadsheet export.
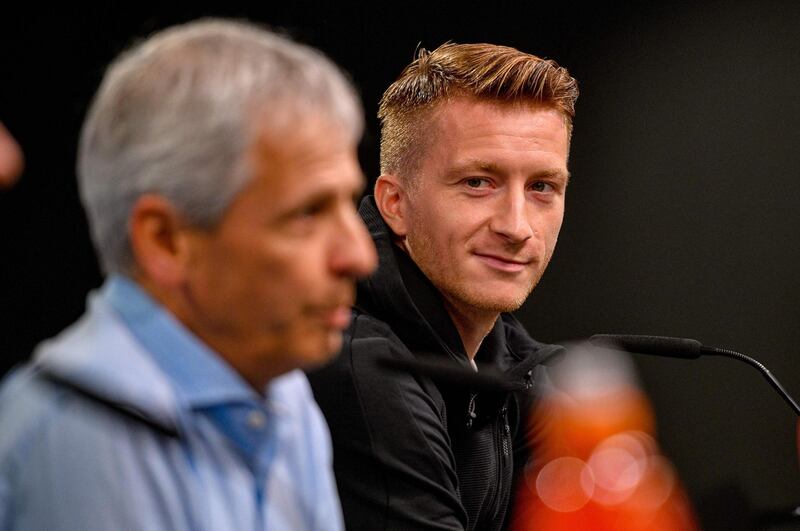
465	216
218	168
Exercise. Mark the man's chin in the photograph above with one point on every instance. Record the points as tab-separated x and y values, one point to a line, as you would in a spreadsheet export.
494	302
503	306
319	351
333	346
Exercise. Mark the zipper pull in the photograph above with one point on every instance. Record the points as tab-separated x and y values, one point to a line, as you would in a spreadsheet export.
529	379
471	415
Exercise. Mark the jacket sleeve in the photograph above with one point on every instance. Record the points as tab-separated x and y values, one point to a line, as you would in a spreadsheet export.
394	466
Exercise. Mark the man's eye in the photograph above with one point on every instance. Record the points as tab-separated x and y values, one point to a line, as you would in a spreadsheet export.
541	186
309	211
303	220
476	182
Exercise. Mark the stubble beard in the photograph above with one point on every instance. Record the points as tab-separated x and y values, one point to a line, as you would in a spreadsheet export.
439	270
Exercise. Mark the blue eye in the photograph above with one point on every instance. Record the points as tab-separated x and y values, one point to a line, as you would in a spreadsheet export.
475	182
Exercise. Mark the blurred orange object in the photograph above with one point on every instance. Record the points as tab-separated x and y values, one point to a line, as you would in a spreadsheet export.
597	464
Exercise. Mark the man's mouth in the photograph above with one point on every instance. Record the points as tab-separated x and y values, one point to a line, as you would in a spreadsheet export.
335	314
503	263
338	317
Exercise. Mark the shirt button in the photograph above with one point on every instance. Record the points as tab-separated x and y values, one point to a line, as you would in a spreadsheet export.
256	419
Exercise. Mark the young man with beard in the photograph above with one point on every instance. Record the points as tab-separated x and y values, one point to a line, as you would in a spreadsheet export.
465	216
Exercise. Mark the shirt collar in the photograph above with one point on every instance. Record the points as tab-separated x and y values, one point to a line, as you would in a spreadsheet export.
200	376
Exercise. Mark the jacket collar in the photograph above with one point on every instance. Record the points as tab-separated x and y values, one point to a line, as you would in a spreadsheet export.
199	375
400	294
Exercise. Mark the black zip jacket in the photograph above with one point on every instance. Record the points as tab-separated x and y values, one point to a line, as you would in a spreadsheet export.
414	452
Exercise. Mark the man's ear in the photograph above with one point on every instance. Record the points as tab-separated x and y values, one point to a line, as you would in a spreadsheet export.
392	200
158	241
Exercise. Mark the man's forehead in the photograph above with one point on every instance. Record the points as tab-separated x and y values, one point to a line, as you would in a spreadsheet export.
307	161
438	129
455	106
470	120
454	117
302	142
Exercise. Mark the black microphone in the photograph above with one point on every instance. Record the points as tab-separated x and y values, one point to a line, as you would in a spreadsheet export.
445	371
674	347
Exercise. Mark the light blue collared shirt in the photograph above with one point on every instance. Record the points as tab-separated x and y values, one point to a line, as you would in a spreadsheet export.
126	420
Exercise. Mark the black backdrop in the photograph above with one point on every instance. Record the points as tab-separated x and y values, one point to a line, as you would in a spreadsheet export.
681	216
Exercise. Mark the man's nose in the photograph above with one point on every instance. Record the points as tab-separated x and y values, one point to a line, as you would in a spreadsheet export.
511	218
354	253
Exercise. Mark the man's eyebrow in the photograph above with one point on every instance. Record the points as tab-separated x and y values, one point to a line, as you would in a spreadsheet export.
328	194
475	165
552	174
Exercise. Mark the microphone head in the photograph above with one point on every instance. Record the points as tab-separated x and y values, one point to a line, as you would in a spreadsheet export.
672	347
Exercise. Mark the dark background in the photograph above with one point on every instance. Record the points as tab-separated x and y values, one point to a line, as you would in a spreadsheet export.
681	215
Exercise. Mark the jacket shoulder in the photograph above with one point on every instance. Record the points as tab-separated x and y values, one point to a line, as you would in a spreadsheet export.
369	327
27	403
523	347
358	367
75	462
392	455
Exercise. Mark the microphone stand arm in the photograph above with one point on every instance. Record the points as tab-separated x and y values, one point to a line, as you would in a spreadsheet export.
713	351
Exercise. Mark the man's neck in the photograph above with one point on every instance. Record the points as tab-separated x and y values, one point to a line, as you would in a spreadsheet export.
473	325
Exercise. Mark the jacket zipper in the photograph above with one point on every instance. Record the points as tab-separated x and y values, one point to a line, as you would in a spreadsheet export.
506	433
471	415
503	448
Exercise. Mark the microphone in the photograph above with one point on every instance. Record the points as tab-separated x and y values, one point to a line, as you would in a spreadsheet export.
445	371
674	347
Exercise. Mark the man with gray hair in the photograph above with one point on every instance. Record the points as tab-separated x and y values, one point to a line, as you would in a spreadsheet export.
218	168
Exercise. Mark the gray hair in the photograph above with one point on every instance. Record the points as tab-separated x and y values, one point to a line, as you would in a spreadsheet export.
176	114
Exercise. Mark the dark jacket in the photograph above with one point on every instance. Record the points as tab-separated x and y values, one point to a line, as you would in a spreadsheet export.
412	451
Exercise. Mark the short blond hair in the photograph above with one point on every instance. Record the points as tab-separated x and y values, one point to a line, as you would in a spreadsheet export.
483	71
